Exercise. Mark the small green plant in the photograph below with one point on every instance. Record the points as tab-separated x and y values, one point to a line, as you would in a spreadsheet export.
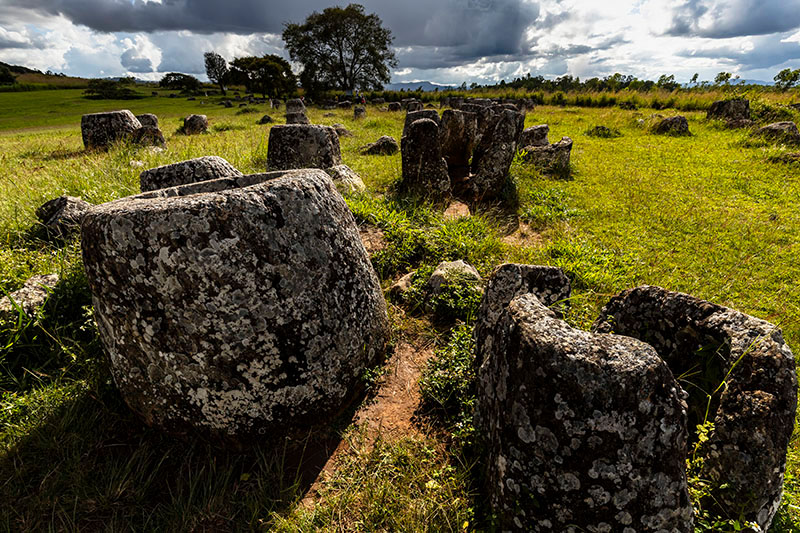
458	298
247	111
225	126
701	491
603	132
447	383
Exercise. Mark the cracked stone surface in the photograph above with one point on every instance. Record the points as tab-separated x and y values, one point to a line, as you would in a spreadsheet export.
781	131
148	136
195	124
100	130
583	431
297	118
736	109
424	168
184	172
62	216
754	414
459	131
148	119
535	136
385	145
303	146
295	105
495	152
345	179
551	158
235	306
677	125
413	116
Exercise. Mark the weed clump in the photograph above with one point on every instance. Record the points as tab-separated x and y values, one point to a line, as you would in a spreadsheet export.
448	384
603	132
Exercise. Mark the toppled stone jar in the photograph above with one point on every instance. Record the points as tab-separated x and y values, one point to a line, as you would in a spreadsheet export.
739	374
583	431
235	306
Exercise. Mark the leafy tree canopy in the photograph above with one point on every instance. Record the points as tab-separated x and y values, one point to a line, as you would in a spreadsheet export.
270	75
787	78
341	48
216	69
6	76
181	82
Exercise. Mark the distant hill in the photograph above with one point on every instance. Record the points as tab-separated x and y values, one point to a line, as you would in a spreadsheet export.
16	69
414	85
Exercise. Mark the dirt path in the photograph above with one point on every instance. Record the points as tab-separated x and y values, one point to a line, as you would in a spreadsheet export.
390	413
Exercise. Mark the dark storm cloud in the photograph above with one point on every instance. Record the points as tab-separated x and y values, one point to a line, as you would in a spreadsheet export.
734	18
464	29
135	63
13	43
766	52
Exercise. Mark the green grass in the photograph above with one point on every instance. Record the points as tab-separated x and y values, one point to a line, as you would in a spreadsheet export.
711	214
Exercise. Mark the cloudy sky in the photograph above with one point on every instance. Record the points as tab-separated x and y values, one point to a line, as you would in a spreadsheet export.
444	41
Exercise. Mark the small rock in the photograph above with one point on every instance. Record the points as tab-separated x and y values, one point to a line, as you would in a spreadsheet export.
345	179
148	136
195	124
395	106
297	118
603	132
341	130
551	159
148	119
186	172
62	216
359	112
449	272
677	125
30	298
266	119
535	136
385	145
730	110
780	131
401	286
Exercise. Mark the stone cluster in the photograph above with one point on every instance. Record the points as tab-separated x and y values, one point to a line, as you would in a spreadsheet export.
466	151
101	130
587	431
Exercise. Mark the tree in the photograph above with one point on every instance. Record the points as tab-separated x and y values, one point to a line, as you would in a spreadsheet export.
216	69
693	81
723	78
341	48
667	82
6	76
109	90
270	75
787	78
181	82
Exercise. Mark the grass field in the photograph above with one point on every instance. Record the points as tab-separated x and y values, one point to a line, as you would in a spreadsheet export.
712	214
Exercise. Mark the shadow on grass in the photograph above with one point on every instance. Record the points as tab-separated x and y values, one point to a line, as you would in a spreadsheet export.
90	465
